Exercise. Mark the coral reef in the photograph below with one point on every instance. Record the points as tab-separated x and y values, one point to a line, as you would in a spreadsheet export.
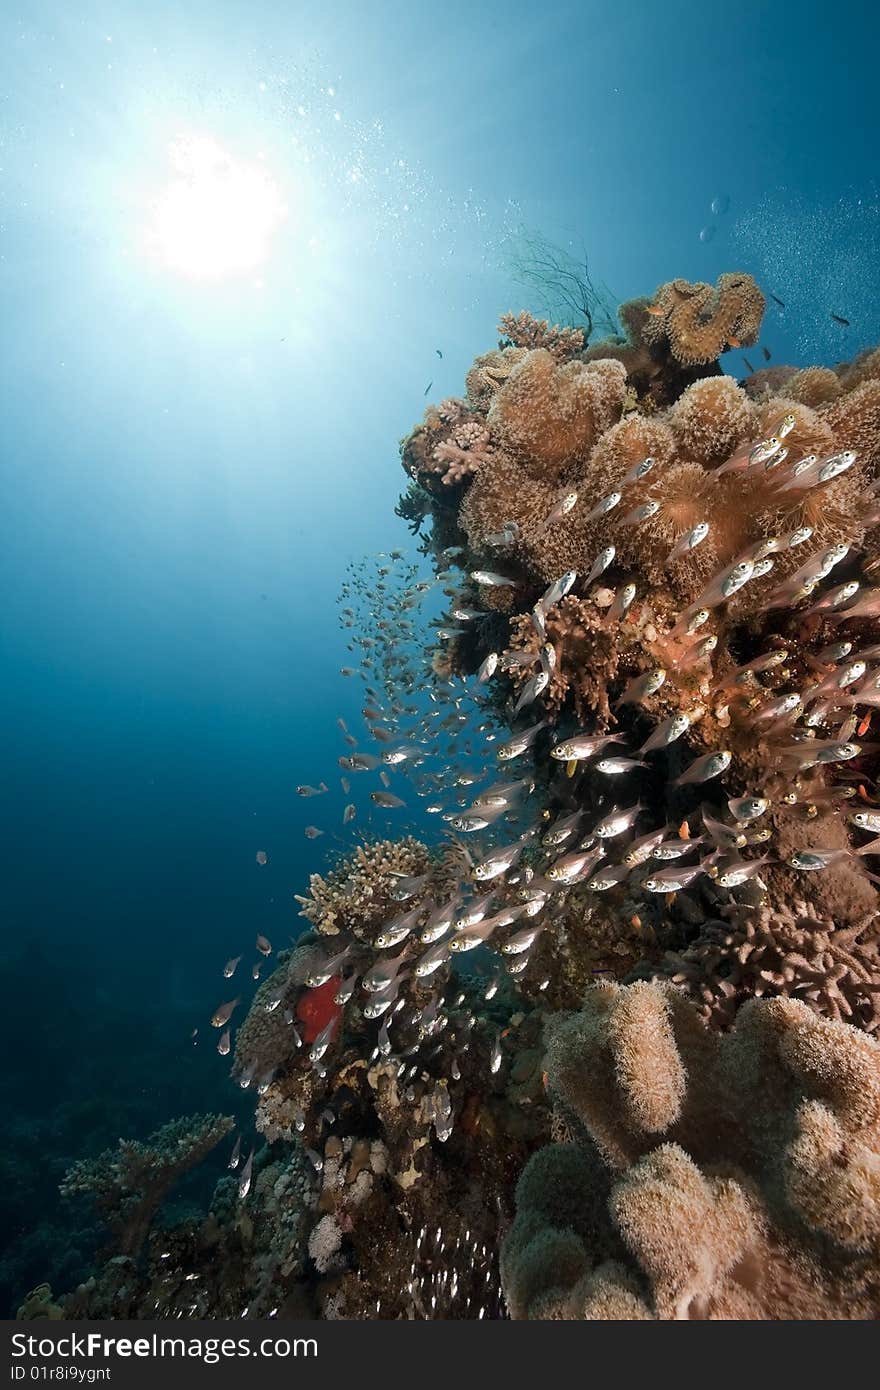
712	1176
130	1183
659	621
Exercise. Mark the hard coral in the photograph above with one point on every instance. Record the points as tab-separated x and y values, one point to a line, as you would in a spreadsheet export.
356	896
717	1176
785	950
524	330
129	1183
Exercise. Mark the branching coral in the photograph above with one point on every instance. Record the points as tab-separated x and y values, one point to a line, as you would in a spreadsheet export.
524	330
130	1183
356	896
780	950
717	1176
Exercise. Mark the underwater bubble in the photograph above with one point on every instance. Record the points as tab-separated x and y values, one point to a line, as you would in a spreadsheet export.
707	233
719	204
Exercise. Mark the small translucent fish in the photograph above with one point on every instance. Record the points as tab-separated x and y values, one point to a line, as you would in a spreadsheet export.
601	563
255	971
533	687
306	790
264	946
733	872
638	471
842	593
609	877
262	857
224	1013
323	1041
668	732
674	879
613	767
381	974
537	619
689	541
224	1044
557	590
837	464
700	651
835	652
617	821
521	941
747	808
622	601
562	508
729	836
641	687
641	849
397	929
244	1182
491	580
676	848
582	746
777	709
516	746
405	886
230	967
641	513
570	867
236	1153
312	832
495	1058
341	725
562	830
867	820
349	813
498	863
488	668
813	859
548	659
387	800
604	506
431	961
702	769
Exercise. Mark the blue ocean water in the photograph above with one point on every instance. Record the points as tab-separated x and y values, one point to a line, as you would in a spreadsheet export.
190	462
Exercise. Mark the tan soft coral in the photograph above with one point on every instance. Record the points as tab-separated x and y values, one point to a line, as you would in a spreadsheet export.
855	421
719	1176
711	418
813	386
550	415
700	321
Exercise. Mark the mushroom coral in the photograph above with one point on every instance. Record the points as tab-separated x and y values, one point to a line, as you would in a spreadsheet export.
712	1175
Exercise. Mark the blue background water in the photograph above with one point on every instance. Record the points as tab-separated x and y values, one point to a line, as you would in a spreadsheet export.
188	467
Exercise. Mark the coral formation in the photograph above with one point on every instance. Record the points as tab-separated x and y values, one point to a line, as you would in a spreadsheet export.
713	1176
663	629
130	1183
